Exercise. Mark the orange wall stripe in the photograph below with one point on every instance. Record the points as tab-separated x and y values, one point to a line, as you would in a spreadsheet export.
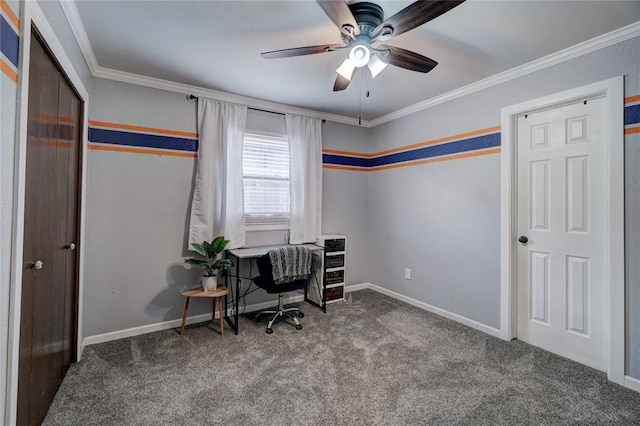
631	130
416	163
355	169
414	146
439	159
348	153
10	14
143	129
141	151
632	99
9	72
440	140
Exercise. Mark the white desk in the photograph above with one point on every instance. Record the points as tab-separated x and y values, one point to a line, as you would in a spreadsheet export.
252	253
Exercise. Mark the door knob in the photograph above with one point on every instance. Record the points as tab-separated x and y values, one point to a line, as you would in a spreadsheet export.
71	246
37	265
523	239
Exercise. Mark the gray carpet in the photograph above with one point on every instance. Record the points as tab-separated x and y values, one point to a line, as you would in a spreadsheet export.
371	360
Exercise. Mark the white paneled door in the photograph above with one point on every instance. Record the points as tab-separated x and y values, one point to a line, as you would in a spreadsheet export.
561	224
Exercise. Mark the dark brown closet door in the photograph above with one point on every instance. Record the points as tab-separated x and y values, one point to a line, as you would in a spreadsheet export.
49	284
70	134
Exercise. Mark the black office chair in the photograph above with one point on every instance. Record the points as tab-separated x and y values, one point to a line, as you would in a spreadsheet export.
265	281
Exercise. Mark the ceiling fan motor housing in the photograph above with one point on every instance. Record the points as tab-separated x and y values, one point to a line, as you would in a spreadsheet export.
367	15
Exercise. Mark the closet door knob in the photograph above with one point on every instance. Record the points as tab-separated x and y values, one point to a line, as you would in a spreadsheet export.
37	265
523	239
71	246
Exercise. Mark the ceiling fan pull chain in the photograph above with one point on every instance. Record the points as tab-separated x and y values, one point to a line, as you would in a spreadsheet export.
360	100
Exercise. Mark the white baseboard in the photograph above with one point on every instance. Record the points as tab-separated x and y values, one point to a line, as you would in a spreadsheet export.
438	311
166	325
143	329
629	382
356	287
632	383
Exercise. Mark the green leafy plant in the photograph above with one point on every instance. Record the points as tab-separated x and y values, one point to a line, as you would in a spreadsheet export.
210	251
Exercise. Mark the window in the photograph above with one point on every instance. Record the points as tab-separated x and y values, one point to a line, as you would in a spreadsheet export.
265	168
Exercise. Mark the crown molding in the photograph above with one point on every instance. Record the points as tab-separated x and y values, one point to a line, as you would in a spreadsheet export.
596	43
157	83
580	49
77	27
80	34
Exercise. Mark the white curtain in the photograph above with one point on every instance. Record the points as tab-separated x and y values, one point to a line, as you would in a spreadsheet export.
217	206
305	154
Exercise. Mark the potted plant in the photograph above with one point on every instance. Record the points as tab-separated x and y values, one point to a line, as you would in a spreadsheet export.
211	251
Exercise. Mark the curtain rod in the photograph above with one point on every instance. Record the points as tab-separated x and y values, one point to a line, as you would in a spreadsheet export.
256	109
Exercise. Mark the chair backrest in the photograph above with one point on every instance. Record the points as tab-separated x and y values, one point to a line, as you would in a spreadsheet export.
265	280
265	269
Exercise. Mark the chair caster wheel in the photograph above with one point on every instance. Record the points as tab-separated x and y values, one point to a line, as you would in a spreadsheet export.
300	314
299	327
269	330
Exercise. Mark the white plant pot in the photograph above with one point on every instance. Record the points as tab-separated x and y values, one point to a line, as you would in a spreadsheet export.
209	283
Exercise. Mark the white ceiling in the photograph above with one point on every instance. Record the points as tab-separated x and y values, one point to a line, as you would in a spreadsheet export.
217	45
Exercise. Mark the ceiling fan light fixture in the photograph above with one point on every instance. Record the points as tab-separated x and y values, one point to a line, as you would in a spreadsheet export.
359	55
346	69
376	65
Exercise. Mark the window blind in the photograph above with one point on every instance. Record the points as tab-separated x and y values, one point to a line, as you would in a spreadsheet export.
265	167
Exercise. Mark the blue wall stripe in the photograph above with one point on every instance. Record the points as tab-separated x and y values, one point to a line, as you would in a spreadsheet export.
343	160
116	137
471	144
9	42
632	114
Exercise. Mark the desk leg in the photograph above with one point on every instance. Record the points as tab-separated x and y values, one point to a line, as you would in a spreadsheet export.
184	315
236	303
226	284
237	294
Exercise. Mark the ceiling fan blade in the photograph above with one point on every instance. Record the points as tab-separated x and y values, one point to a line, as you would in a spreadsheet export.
413	16
406	59
342	83
300	51
340	14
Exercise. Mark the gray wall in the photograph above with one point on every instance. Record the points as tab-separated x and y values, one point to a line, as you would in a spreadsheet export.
344	201
632	247
442	219
137	212
138	206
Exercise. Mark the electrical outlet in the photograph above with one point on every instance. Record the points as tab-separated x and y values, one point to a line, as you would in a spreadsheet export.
407	273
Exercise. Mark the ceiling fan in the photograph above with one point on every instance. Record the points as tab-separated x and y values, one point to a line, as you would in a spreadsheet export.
361	26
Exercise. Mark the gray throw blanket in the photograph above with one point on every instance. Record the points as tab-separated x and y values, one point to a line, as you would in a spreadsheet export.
290	263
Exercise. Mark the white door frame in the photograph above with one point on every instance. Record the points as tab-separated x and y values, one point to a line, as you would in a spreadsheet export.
32	15
613	91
